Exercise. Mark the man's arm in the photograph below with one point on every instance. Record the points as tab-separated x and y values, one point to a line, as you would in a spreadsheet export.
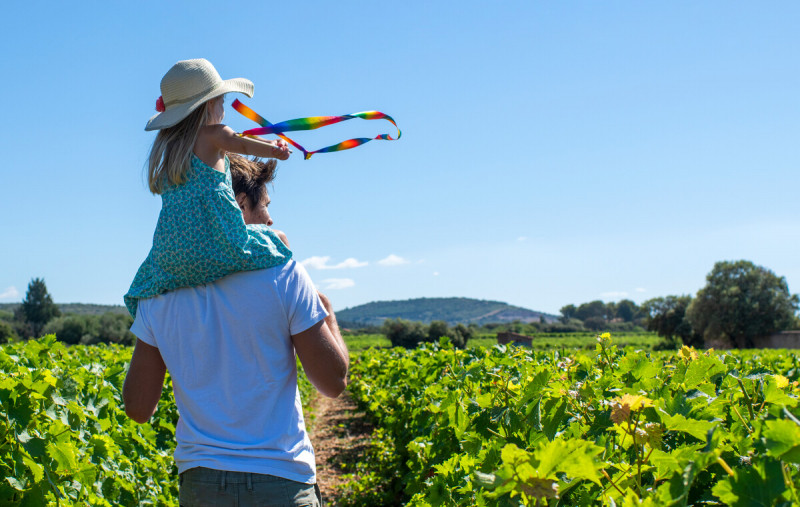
324	355
144	382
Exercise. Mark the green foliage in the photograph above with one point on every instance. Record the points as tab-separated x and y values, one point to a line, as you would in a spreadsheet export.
7	333
512	426
359	342
404	333
667	317
64	436
92	329
626	310
37	308
741	302
408	334
370	480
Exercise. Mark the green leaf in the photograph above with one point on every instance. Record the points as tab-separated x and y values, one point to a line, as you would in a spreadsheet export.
783	440
64	455
669	463
576	458
16	483
697	428
760	485
556	408
36	469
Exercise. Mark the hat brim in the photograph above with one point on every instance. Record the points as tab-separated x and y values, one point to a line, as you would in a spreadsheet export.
173	115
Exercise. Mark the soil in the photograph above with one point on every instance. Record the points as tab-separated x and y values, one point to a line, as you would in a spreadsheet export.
340	434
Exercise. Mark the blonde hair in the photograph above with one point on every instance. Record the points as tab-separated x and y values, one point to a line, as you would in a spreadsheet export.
170	156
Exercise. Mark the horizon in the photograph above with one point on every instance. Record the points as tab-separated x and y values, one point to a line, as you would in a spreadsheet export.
552	154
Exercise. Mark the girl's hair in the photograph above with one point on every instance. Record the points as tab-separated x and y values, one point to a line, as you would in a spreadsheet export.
251	176
170	156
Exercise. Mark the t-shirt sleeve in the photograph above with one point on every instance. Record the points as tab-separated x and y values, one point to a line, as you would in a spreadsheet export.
300	299
141	325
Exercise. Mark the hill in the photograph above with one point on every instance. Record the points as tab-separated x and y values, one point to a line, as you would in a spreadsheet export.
450	310
79	308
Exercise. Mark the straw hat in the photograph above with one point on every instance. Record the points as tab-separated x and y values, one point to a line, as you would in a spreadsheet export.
188	84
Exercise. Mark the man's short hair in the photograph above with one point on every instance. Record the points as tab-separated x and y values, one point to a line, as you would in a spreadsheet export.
251	176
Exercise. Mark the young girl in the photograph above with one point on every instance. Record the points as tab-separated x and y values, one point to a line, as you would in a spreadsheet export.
201	235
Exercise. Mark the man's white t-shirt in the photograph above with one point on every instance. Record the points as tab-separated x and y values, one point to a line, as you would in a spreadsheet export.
227	346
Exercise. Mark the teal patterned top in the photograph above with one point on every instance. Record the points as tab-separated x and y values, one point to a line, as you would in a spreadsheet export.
201	237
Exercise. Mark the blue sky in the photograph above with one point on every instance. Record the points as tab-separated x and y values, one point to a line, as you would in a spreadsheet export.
552	152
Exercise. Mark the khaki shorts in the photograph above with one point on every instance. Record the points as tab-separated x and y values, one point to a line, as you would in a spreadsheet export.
204	487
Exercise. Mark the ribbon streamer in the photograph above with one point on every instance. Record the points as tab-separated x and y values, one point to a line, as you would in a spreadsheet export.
311	123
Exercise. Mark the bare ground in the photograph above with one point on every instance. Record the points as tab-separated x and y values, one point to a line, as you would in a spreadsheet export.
340	434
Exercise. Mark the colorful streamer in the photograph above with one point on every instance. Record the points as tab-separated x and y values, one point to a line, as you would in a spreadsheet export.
311	123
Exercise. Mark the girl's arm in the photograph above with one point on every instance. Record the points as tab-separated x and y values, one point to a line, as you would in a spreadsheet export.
223	138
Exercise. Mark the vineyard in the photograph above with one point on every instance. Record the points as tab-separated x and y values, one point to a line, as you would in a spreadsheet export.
482	426
496	426
65	438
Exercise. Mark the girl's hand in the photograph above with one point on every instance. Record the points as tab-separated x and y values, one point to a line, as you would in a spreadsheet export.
282	150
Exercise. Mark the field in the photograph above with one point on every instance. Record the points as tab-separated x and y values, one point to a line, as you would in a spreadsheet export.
644	341
483	426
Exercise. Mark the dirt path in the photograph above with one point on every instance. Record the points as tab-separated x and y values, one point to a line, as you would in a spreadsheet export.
340	435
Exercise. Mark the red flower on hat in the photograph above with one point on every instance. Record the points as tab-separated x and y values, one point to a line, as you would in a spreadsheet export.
160	105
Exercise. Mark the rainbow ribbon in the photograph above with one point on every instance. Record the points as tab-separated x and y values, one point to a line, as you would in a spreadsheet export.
311	123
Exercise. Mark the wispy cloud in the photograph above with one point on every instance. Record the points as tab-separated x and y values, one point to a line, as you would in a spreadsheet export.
337	283
393	260
435	273
614	295
522	238
639	289
9	293
318	262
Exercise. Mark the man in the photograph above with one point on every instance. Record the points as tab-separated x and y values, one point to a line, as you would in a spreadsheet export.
230	349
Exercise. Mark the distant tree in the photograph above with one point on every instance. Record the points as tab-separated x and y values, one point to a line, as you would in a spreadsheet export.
115	328
595	323
460	335
38	308
92	329
7	333
626	310
72	329
594	309
666	316
436	330
404	333
741	302
568	312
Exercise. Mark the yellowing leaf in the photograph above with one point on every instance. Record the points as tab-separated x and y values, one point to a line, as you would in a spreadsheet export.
687	353
634	401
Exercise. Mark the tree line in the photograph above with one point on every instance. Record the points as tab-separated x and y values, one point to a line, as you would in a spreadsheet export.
39	315
740	303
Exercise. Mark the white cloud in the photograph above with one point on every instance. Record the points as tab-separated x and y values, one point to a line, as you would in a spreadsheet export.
393	260
639	289
9	293
318	262
435	273
337	283
614	295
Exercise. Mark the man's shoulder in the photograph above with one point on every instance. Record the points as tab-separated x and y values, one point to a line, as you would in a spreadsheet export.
263	275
